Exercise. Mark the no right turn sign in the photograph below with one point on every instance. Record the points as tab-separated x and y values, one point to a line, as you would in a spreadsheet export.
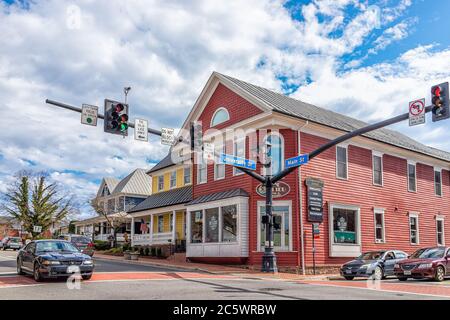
417	112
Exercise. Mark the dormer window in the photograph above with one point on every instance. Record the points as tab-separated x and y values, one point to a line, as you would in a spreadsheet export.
221	115
105	191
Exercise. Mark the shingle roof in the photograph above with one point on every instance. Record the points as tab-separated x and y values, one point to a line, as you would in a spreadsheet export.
219	196
137	182
165	199
286	105
164	163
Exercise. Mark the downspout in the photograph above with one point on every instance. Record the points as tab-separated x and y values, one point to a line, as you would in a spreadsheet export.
300	192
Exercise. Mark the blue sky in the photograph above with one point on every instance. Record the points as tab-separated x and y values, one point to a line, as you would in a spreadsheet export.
372	58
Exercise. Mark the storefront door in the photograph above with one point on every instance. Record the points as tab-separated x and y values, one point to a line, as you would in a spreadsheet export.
280	228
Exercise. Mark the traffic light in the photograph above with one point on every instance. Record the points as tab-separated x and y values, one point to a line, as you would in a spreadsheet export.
196	136
116	117
440	102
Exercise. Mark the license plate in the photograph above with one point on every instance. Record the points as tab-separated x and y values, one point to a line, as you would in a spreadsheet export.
407	273
348	271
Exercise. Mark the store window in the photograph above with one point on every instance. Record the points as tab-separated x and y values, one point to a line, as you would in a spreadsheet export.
379	226
229	223
412	177
220	116
160	223
345	226
281	230
197	226
440	231
187	175
212	225
438	182
414	228
341	162
173	179
160	183
377	162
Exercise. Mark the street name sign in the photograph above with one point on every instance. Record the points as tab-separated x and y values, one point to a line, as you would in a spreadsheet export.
208	151
237	161
89	115
296	161
417	112
167	136
141	130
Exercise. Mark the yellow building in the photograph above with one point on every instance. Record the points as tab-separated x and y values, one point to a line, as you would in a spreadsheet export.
161	218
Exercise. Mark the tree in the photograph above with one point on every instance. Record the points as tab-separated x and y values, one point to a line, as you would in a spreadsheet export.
33	201
113	220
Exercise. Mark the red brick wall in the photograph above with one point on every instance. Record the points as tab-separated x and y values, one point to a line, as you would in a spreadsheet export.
359	190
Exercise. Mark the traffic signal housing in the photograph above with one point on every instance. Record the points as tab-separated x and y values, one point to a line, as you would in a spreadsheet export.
116	117
440	102
196	136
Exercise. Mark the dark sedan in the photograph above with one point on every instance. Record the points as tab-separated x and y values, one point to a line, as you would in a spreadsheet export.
52	259
378	264
432	263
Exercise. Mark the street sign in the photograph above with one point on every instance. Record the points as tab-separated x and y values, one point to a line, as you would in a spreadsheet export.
296	161
141	130
167	136
37	229
89	115
417	112
237	161
208	151
316	230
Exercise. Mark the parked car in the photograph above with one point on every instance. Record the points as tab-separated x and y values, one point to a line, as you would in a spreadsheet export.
14	243
433	263
378	264
52	259
83	243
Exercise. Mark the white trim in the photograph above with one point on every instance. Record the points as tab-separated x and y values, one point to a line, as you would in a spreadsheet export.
376	154
415	215
434	182
415	175
383	230
214	115
343	249
441	219
343	146
283	150
281	203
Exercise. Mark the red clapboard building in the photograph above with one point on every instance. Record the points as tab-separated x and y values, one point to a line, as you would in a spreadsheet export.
382	190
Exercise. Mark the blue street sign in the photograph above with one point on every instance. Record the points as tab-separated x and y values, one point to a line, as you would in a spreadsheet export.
237	161
296	161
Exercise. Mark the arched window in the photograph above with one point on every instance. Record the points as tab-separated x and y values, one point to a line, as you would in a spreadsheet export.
221	115
275	146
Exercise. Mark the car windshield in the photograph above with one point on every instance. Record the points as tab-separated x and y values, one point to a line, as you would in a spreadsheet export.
15	240
83	240
428	253
375	255
55	246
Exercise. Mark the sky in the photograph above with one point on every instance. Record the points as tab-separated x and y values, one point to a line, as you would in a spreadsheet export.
366	59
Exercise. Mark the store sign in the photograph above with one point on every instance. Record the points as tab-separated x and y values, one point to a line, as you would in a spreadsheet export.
315	199
279	189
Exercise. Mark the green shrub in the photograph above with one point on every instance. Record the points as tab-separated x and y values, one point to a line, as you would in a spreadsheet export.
158	252
147	251
153	252
126	247
102	245
141	251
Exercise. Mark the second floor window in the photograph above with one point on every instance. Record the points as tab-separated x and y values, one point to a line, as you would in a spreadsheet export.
341	162
201	170
377	162
187	175
438	182
160	183
219	168
173	179
412	177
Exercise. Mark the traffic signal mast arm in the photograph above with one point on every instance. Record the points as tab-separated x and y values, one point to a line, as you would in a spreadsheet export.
345	137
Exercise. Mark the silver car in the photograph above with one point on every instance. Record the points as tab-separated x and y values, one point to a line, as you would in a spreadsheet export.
14	243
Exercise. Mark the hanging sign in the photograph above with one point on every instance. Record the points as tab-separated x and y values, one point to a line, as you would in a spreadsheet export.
279	189
315	199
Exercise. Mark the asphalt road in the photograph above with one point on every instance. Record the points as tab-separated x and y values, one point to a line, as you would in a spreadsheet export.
121	280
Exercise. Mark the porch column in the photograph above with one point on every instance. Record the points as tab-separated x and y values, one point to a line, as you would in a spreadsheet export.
101	228
174	225
132	231
151	227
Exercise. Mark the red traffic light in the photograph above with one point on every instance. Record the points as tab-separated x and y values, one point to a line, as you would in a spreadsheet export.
437	91
119	107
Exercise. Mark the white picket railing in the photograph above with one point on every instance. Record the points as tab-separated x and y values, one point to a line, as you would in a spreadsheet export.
104	237
147	239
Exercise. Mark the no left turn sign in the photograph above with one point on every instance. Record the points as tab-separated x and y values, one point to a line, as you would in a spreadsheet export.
417	112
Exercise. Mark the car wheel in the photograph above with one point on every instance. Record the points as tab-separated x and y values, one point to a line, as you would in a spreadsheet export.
402	278
36	273
87	277
19	267
349	278
378	273
440	274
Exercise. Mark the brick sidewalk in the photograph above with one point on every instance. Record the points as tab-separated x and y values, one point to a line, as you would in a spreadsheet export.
215	269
